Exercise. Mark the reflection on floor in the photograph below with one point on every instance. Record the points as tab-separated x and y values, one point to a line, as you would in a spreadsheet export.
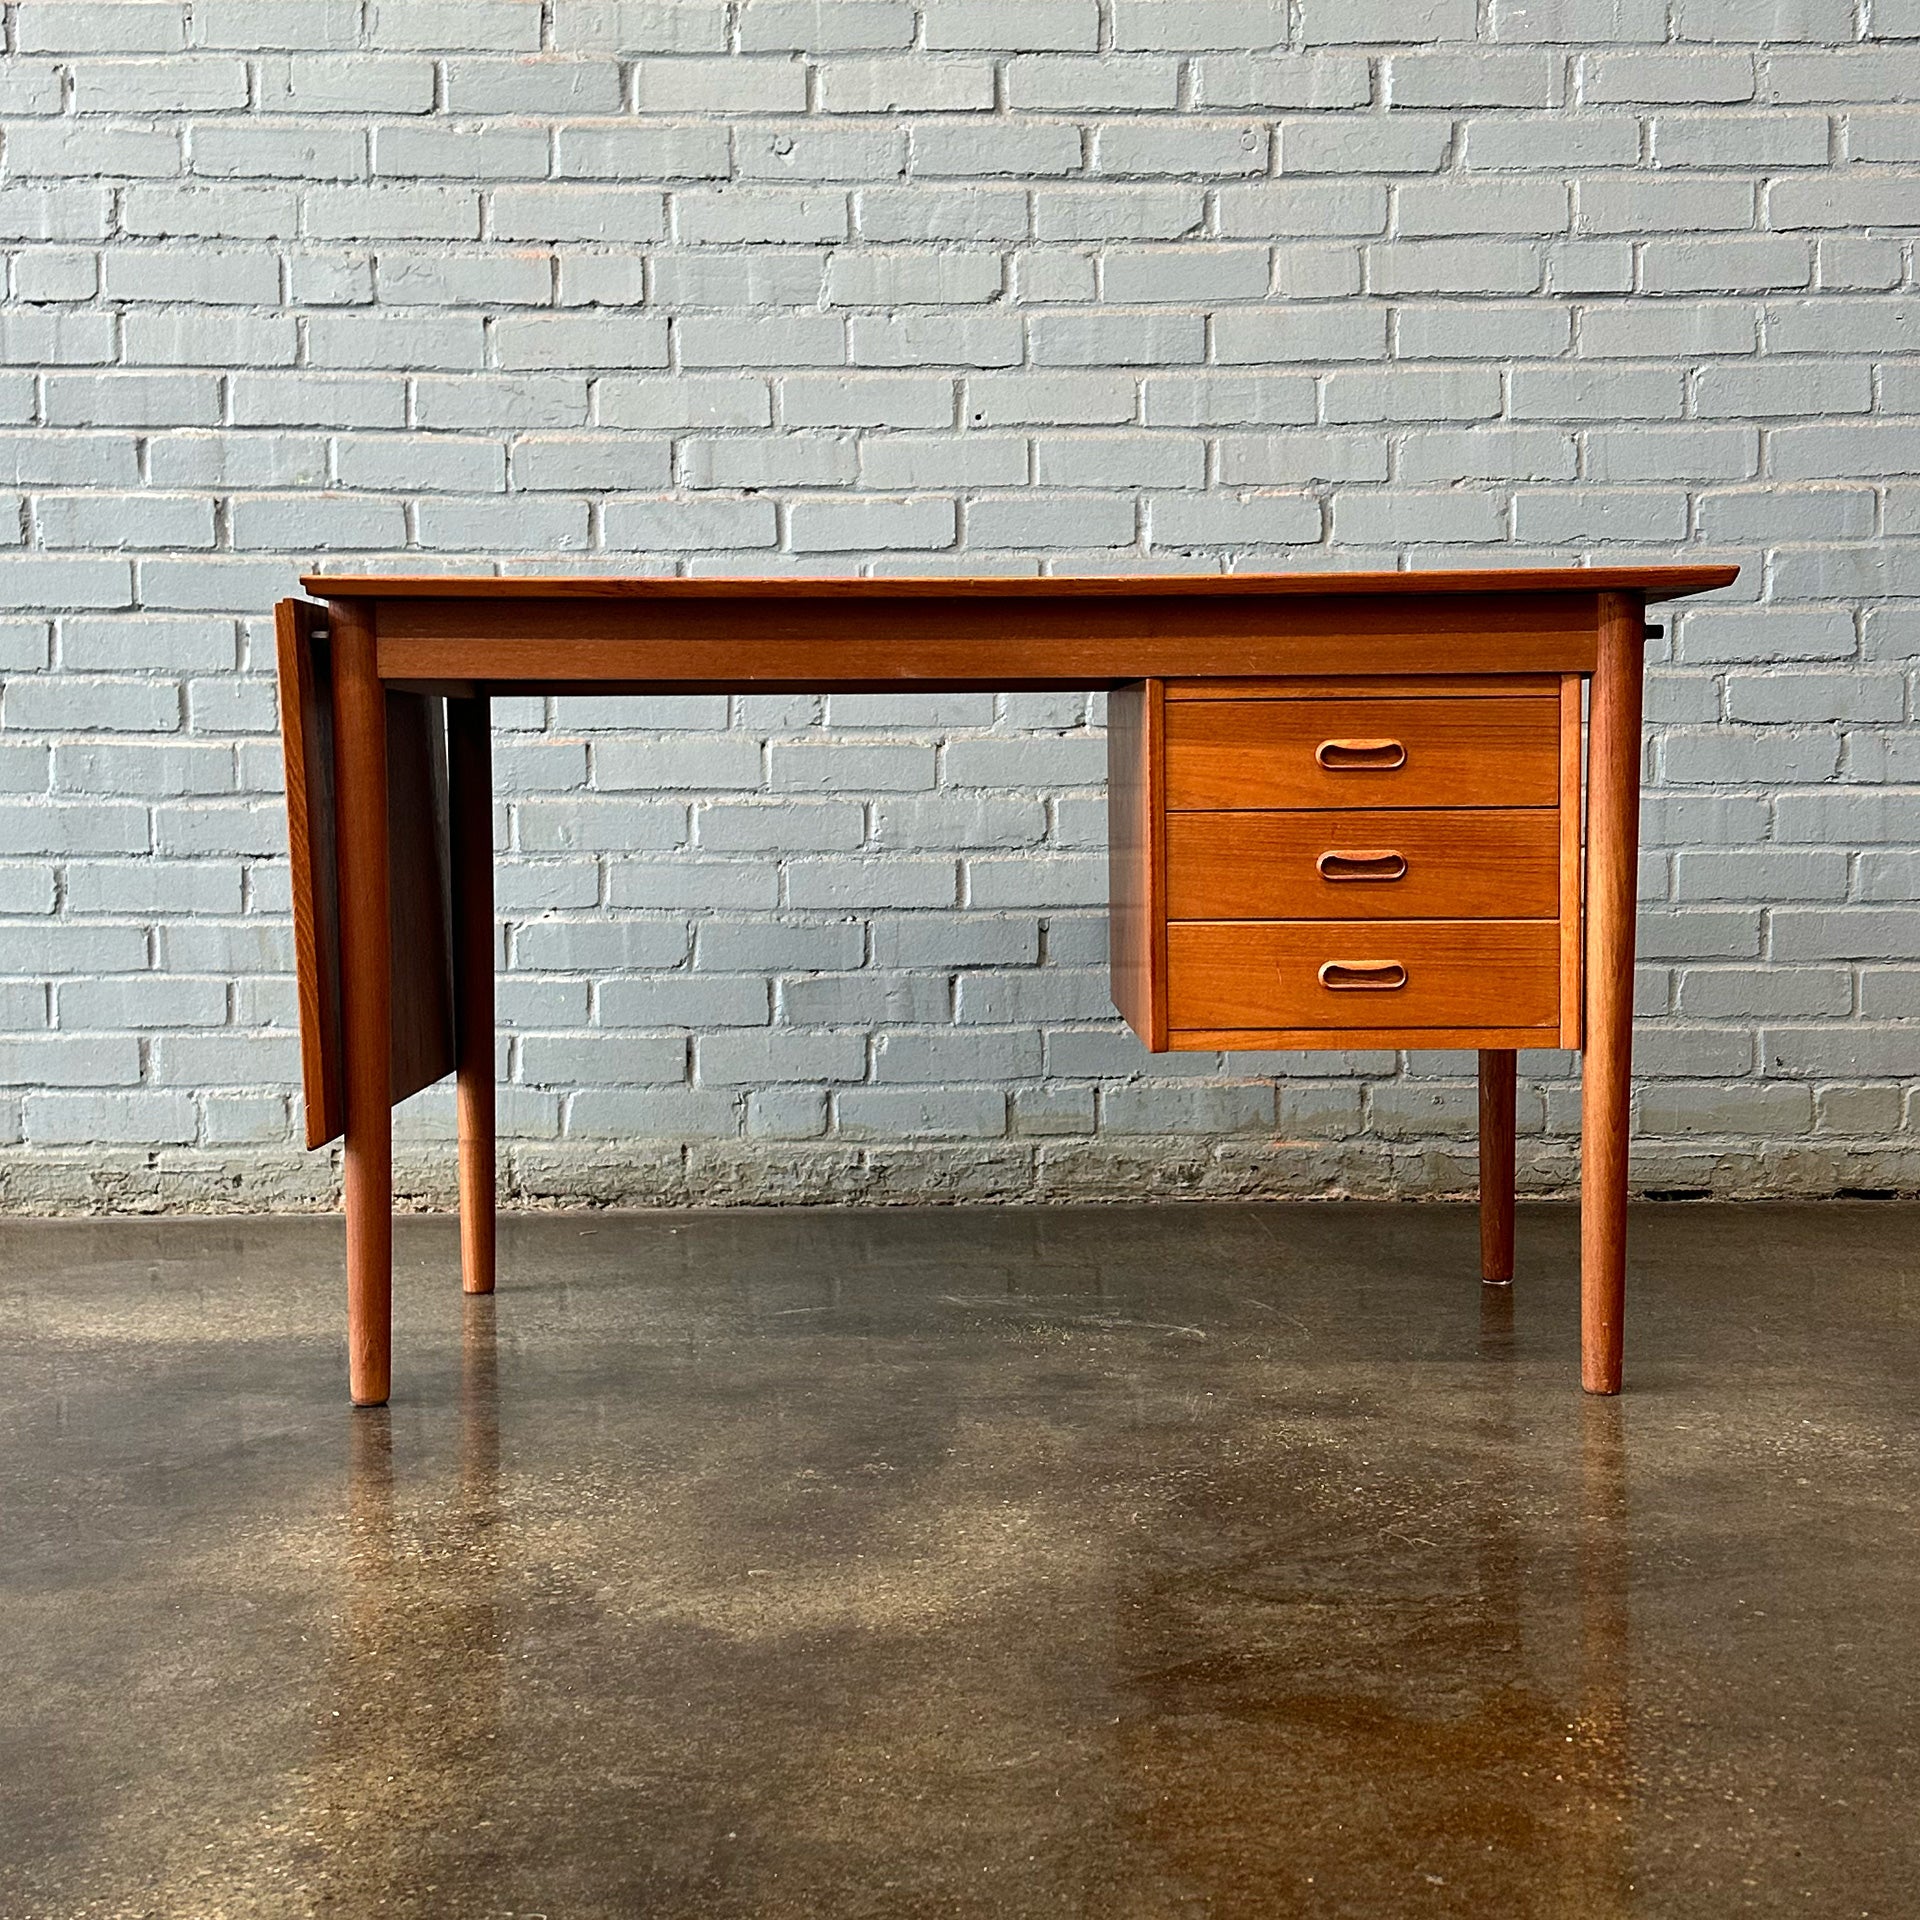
1178	1561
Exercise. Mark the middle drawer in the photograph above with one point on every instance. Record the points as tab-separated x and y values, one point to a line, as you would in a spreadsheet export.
1499	863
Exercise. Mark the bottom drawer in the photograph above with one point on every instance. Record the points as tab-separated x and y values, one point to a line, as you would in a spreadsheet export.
1336	974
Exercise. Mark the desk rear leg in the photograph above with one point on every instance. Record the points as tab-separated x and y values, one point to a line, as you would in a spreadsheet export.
470	796
1496	1165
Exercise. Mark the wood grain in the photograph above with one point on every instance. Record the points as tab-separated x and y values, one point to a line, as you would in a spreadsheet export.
360	745
1346	1039
470	769
306	741
1606	1086
863	643
1572	856
1655	583
1265	973
1426	686
1136	867
1497	1148
1495	863
1459	753
420	892
421	990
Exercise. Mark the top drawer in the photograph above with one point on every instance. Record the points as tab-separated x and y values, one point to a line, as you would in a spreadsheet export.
1442	752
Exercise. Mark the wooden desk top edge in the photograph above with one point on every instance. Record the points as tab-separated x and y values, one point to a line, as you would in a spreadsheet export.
1656	583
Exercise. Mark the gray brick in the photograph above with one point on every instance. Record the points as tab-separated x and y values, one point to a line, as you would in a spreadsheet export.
1511	142
1044	83
1668	77
602	1060
906	85
1753	264
1249	520
1054	520
531	84
1805	934
1454	266
1365	143
1759	873
825	26
1048	995
557	341
734	85
998	26
864	1113
1298	459
919	340
1577	516
424	279
1185	26
760	1059
1051	274
643	26
667	885
701	401
1805	513
1316	207
1221	1109
1119	460
1640	330
853	525
1455	332
1345	331
890	215
53	213
1741	140
621	215
899	461
1759	993
1393	519
1078	399
1118	212
679	525
1849	1050
594	825
1225	399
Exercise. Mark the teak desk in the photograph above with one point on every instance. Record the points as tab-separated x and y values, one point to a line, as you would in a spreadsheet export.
1345	812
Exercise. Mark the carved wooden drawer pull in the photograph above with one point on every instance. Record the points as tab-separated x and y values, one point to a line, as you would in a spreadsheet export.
1370	863
1360	756
1363	976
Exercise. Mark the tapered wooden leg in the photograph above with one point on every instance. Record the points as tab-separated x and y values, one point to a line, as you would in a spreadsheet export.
1496	1165
360	757
470	784
1613	836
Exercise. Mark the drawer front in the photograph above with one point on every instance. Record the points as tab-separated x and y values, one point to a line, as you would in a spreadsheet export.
1249	754
1492	863
1338	974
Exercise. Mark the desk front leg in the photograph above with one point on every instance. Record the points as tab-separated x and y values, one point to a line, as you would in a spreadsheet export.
366	1002
1606	1085
470	793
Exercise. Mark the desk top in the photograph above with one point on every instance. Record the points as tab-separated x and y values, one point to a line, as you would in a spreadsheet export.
456	633
1655	583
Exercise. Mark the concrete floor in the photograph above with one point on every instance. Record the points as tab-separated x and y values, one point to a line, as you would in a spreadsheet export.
1187	1561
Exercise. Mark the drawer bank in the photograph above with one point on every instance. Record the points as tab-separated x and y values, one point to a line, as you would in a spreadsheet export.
1346	810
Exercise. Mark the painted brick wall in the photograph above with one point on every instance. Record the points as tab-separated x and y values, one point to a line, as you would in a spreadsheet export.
960	285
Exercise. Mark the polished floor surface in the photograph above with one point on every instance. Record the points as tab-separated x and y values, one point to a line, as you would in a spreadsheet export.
1184	1561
